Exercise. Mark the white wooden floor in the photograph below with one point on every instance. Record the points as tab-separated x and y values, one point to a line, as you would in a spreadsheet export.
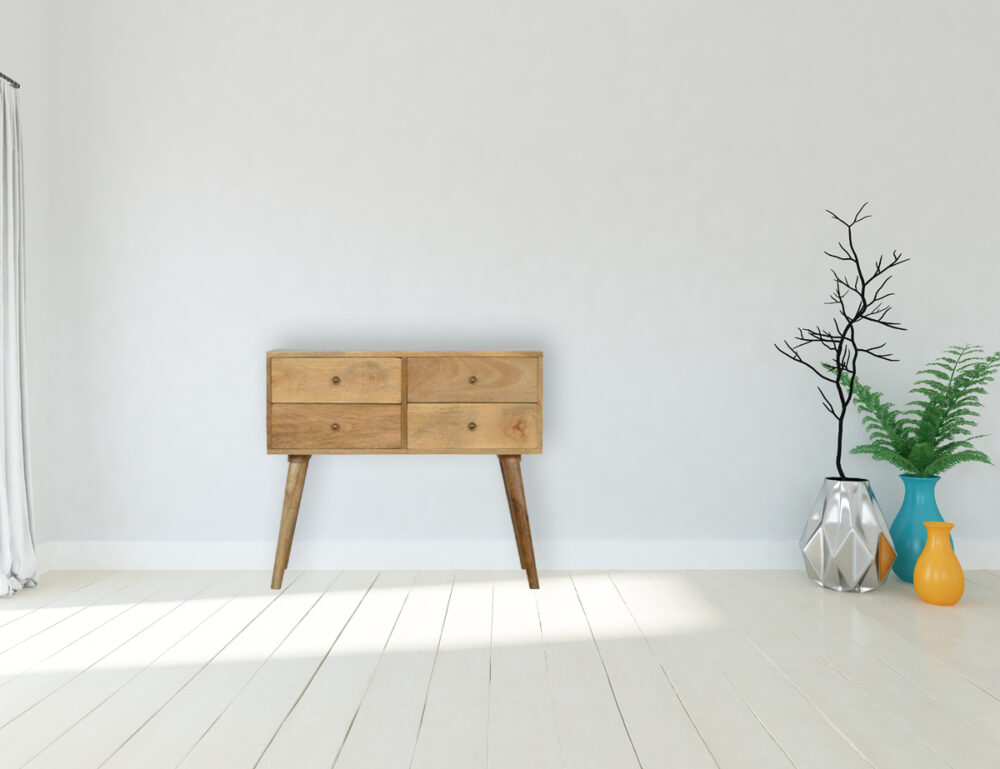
440	671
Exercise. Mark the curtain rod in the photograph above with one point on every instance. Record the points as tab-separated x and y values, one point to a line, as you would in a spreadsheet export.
12	82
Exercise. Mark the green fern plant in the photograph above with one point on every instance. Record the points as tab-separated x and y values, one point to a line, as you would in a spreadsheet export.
934	432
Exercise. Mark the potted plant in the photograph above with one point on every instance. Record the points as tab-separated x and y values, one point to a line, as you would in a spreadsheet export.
932	435
846	543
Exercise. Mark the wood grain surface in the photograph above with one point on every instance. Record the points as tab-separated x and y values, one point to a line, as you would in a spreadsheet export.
472	380
336	380
504	427
335	426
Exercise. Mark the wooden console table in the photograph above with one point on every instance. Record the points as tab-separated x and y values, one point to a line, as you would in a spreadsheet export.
404	403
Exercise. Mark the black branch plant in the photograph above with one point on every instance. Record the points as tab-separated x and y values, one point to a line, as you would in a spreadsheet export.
859	297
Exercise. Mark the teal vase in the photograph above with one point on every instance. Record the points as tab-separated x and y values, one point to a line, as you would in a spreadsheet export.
908	532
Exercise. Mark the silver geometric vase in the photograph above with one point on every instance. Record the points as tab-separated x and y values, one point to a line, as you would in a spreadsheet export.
846	543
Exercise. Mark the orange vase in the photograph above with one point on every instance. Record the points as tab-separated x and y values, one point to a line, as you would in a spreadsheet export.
938	576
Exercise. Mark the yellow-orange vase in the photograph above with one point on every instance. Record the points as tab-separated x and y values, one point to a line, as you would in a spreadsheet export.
938	576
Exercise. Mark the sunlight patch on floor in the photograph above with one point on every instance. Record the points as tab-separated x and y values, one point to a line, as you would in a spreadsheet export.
685	611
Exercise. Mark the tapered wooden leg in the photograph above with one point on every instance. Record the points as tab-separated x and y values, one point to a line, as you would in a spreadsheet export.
510	466
513	517
289	514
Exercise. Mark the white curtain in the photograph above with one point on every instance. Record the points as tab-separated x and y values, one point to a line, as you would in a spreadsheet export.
18	566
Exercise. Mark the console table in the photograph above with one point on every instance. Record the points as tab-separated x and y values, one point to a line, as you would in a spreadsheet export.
404	403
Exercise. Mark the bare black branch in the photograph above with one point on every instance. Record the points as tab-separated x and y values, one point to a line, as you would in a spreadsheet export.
858	298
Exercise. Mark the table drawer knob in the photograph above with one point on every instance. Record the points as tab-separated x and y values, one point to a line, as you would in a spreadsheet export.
336	380
335	427
472	380
472	425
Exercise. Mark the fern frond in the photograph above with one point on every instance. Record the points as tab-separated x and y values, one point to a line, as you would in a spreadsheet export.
881	418
951	448
896	460
932	433
947	462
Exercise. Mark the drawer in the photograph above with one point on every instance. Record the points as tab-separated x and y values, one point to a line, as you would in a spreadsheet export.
472	380
336	380
472	426
321	426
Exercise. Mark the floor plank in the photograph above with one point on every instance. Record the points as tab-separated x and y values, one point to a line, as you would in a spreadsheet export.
660	728
843	616
54	586
990	579
522	729
406	670
985	578
592	733
77	628
384	732
945	732
876	731
74	729
805	735
455	724
240	735
313	733
937	632
25	690
164	740
673	617
65	608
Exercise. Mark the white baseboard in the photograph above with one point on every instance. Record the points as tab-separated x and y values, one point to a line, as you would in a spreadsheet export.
580	554
107	554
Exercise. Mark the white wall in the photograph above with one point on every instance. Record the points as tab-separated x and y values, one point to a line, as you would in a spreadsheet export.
636	188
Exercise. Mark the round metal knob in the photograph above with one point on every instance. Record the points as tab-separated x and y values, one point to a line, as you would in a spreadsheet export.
472	380
472	425
336	380
335	427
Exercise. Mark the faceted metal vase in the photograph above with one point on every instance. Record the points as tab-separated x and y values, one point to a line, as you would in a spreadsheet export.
846	543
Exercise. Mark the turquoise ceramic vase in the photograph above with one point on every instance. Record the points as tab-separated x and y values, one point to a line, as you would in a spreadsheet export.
908	533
